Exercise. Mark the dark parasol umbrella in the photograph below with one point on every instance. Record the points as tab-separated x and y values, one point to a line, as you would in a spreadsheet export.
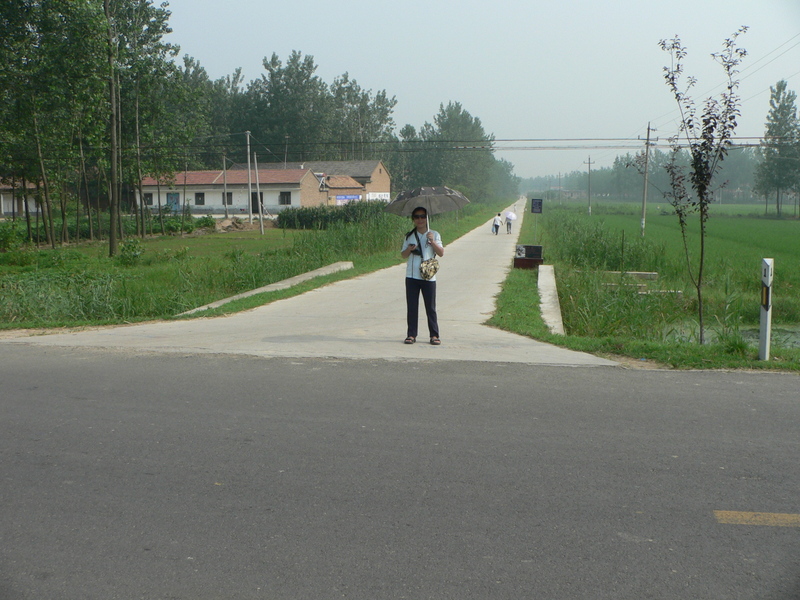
435	200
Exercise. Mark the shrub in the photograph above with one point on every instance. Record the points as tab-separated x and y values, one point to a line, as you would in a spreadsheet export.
130	252
11	236
206	222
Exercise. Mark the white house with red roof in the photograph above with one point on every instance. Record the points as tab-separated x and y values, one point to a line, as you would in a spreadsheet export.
211	191
277	189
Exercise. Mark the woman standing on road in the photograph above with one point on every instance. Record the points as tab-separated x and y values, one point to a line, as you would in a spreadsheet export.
420	244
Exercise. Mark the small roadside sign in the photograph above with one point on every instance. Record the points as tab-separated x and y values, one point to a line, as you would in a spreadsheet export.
536	205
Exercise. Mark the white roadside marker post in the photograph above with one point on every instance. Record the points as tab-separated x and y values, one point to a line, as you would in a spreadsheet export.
767	268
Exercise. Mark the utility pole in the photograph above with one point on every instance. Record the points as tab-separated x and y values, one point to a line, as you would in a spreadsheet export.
559	187
646	174
249	181
590	163
258	199
285	149
225	183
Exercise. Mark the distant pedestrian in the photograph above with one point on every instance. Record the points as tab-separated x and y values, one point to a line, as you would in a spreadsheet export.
510	218
498	220
421	244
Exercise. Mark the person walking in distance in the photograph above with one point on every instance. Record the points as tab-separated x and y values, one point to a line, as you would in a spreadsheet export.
510	218
498	220
421	243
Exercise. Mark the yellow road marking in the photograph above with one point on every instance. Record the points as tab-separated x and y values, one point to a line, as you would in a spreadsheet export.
730	517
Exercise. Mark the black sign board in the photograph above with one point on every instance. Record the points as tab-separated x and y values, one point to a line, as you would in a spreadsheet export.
536	205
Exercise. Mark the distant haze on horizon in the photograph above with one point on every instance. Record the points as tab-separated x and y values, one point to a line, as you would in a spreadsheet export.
535	72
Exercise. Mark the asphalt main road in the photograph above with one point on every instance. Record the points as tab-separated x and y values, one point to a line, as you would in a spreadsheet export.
129	474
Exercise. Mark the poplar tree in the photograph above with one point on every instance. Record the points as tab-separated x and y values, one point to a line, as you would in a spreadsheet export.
779	169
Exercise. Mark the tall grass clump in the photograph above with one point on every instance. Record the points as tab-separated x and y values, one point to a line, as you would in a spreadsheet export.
381	232
597	303
591	245
594	305
159	278
50	296
321	217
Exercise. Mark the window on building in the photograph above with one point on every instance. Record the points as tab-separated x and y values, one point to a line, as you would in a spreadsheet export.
285	199
148	199
227	198
199	198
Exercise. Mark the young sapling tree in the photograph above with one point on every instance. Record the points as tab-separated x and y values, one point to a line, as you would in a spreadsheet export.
706	135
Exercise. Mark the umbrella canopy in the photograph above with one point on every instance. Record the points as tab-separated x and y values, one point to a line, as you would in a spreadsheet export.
511	216
435	200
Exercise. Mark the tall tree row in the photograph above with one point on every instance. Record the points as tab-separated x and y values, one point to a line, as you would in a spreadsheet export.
454	150
623	179
770	170
92	100
779	169
75	77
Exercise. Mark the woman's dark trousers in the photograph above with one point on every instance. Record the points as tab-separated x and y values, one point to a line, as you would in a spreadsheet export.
428	289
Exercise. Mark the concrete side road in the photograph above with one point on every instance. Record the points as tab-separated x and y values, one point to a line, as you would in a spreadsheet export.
360	318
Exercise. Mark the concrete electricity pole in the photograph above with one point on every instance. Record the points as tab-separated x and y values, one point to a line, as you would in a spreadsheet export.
590	163
646	173
225	183
249	181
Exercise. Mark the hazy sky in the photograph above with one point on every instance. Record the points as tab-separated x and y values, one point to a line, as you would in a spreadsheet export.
575	70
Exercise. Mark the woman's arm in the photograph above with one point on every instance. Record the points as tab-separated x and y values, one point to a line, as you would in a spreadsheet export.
437	246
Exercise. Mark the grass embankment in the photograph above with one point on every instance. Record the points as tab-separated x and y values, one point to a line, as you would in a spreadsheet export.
161	277
620	315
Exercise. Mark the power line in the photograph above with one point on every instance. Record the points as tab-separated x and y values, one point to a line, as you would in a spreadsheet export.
750	74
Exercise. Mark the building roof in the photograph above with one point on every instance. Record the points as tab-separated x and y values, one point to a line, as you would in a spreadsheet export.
234	177
339	182
361	169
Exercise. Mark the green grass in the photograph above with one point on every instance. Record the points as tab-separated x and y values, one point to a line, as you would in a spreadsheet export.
80	285
161	277
605	314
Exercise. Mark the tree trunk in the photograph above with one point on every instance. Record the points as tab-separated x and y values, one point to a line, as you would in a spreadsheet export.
85	179
62	201
112	93
160	212
13	199
700	311
47	213
185	199
78	208
120	170
27	210
139	169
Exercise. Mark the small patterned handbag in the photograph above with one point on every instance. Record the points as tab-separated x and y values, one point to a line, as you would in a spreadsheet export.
428	268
